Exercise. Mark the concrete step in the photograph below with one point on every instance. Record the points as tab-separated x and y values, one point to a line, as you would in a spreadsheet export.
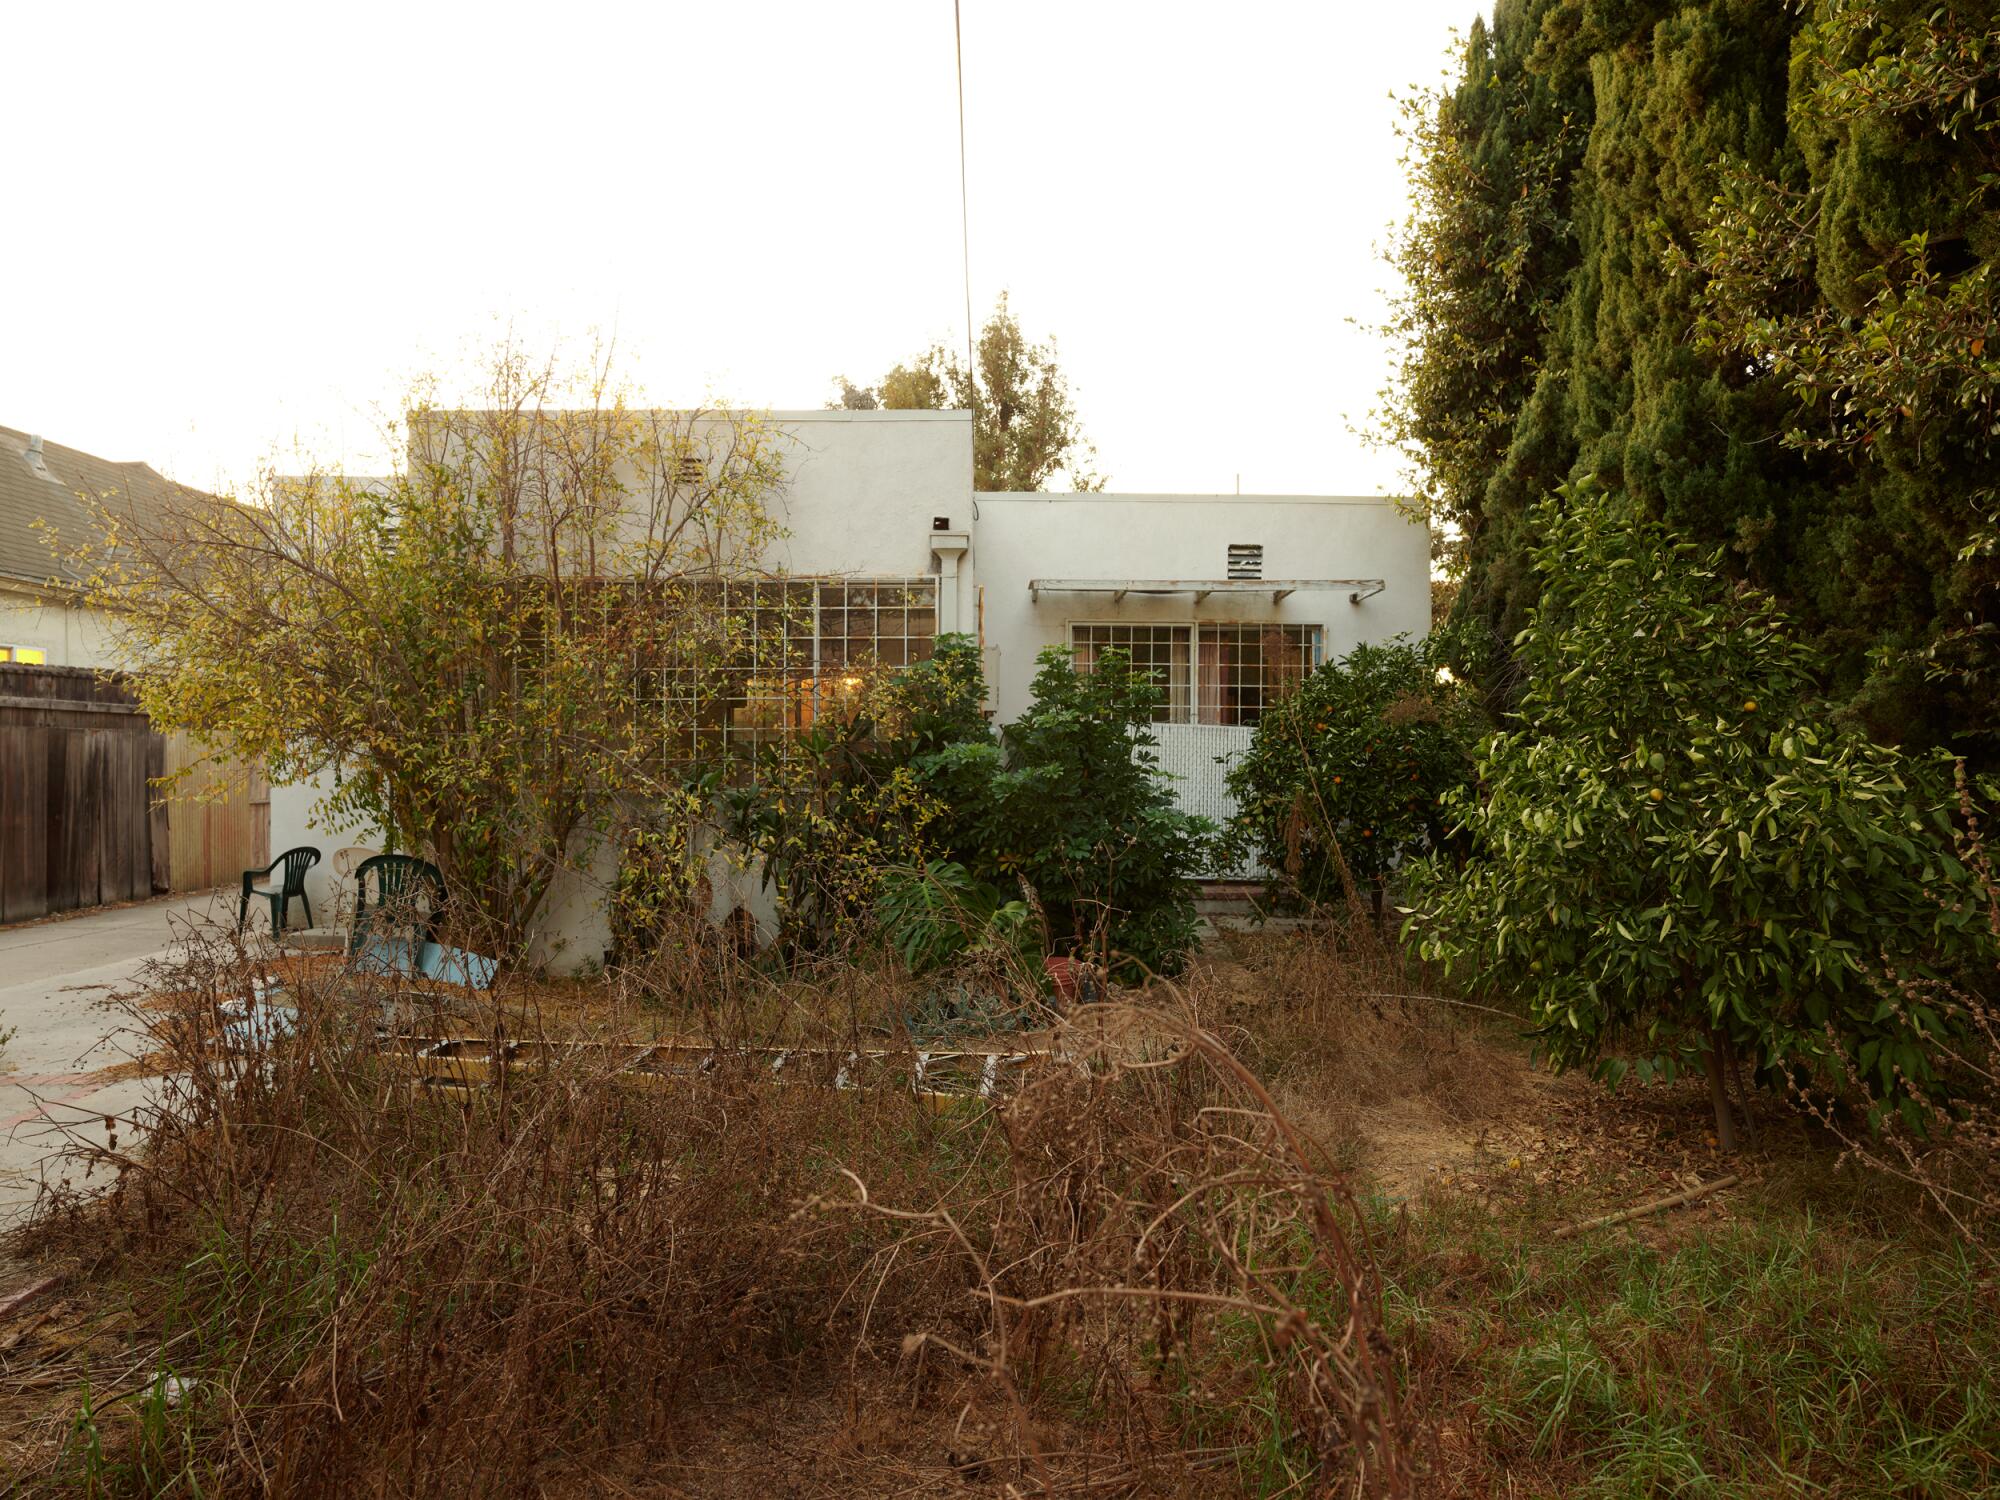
1229	898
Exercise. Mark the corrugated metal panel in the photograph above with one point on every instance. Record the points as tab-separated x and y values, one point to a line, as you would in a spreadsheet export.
1197	758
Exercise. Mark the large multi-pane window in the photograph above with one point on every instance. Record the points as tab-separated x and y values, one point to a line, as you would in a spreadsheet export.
1159	650
780	653
1209	672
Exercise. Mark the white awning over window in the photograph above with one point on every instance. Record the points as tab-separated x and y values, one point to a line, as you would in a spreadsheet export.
1201	588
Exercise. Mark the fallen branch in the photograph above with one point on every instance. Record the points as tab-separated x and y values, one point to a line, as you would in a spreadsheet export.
1686	1195
1491	1010
27	1297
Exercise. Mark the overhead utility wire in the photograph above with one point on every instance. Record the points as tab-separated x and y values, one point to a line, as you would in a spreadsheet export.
964	218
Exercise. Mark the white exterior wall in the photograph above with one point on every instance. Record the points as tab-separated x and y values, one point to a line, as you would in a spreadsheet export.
864	488
293	824
71	636
1022	537
863	493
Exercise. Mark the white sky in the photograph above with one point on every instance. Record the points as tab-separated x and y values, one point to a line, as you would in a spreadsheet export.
236	229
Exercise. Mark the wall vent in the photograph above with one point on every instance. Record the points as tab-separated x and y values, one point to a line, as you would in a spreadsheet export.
1246	560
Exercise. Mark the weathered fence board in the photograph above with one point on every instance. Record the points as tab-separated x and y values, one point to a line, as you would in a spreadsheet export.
81	820
211	837
22	795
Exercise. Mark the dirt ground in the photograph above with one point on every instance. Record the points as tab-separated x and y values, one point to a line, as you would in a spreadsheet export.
1413	1095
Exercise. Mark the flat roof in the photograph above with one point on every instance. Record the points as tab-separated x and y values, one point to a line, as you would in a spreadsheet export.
1201	588
1147	498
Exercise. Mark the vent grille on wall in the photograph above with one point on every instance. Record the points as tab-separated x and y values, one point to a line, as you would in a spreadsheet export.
1246	560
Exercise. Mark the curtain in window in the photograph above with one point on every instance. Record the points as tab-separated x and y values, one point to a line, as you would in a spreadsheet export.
1177	681
1209	681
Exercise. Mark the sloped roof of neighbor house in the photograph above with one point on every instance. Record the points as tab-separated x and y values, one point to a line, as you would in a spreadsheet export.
54	485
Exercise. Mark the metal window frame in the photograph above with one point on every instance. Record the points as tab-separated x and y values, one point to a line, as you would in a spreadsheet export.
1313	634
779	682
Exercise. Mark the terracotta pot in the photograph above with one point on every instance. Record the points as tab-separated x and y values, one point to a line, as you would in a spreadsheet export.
1066	974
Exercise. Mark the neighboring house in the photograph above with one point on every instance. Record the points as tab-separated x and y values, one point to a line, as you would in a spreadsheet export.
886	546
43	490
79	821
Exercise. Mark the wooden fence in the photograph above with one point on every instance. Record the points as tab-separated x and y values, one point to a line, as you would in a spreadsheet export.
217	826
80	822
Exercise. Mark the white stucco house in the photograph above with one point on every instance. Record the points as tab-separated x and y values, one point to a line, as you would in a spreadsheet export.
1222	596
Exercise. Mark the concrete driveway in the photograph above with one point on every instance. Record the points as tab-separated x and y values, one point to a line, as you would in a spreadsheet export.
52	1074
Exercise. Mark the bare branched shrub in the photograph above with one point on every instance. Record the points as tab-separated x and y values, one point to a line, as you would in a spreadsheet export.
365	1276
488	656
1166	1243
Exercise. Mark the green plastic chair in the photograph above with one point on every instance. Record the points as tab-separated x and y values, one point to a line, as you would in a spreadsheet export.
295	863
401	880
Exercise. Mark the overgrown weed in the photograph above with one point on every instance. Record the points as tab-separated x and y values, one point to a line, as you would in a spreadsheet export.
348	1280
1815	1334
1342	1023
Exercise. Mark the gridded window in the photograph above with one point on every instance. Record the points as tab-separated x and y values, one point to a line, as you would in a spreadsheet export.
777	654
1241	668
874	622
1160	650
1209	673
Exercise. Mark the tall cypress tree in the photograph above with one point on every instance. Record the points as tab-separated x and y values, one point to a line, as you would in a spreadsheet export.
1738	189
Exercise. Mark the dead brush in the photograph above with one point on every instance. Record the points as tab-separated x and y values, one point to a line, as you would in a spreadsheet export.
368	1284
1167	1255
359	1283
1343	1017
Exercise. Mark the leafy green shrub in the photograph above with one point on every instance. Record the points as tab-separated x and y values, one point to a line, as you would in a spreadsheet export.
1080	813
661	869
828	815
1065	807
938	913
1673	859
1353	765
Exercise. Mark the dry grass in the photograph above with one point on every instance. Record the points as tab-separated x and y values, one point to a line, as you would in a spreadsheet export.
1132	1278
1817	1329
1382	1067
330	1280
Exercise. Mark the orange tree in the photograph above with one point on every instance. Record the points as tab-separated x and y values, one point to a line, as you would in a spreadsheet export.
1675	860
473	656
1347	773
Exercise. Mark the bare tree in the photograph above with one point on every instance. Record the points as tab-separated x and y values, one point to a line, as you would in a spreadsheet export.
490	652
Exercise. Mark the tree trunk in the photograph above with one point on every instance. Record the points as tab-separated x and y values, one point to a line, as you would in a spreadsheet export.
1742	1095
1718	1092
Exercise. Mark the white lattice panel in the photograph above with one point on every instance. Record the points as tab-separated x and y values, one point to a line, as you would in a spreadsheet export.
1197	758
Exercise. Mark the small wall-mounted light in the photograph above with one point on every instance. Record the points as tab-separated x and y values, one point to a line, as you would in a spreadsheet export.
940	523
